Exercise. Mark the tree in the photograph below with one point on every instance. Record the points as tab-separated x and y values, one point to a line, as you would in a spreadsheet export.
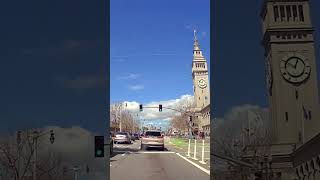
16	159
181	121
243	129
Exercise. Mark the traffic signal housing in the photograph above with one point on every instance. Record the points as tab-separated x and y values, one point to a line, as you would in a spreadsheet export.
98	146
141	107
160	107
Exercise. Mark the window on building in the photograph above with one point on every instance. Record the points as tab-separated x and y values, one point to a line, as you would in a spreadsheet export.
309	115
301	15
276	13
300	136
294	12
297	94
289	14
287	118
282	13
288	36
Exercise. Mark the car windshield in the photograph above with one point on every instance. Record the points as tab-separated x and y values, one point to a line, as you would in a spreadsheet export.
153	133
121	133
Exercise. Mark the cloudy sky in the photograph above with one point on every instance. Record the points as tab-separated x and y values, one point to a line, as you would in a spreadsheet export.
53	64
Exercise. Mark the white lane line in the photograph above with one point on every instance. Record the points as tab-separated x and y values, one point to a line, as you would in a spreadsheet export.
155	152
196	165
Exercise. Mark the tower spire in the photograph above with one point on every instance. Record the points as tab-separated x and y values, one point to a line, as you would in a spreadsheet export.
196	42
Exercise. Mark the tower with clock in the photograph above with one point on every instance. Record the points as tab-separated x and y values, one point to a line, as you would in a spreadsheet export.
291	70
200	77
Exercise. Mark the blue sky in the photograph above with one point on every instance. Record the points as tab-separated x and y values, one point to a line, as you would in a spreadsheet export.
152	49
53	58
153	41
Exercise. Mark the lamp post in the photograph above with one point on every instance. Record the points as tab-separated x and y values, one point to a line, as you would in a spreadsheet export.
35	136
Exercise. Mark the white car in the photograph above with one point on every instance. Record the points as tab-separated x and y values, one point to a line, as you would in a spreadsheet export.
152	138
122	137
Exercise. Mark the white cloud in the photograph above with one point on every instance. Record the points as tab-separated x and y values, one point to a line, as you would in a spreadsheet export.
130	76
136	87
153	112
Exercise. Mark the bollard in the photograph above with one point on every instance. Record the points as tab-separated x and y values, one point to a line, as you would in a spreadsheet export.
189	148
202	155
195	150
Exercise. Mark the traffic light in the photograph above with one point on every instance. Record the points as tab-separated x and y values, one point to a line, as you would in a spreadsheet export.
99	146
190	118
141	107
160	107
51	136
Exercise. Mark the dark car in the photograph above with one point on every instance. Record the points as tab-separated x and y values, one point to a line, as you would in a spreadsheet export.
136	136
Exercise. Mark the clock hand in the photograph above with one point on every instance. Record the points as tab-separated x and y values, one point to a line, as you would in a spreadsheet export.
295	66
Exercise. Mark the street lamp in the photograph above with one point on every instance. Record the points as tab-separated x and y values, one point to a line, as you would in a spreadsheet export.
35	137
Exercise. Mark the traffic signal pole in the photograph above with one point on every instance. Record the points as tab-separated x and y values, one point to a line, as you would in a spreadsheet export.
184	112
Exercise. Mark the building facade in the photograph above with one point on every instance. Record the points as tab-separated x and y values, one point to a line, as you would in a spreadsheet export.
288	39
201	89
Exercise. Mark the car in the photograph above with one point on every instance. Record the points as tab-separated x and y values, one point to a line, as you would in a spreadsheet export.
111	144
136	136
132	137
152	138
122	137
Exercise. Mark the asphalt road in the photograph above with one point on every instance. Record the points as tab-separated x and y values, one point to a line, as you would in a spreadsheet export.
130	163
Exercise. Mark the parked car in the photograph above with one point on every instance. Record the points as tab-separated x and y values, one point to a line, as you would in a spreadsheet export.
122	137
152	138
111	144
132	137
136	136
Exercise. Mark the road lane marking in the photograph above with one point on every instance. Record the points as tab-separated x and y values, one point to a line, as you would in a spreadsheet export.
196	165
154	152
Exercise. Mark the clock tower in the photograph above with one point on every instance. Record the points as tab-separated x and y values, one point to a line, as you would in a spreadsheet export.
288	40
200	77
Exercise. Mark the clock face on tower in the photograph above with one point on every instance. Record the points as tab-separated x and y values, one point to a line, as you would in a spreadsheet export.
202	83
295	69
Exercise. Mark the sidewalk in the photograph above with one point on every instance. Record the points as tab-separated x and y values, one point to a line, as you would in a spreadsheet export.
180	145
